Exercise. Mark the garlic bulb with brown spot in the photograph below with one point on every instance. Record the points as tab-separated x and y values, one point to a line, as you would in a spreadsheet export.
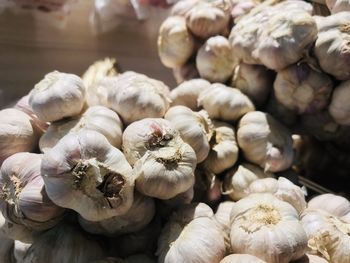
237	179
224	149
95	118
268	228
137	96
137	217
241	258
185	239
215	60
336	6
255	81
17	133
311	259
224	103
57	96
23	199
331	203
339	108
264	141
187	93
175	43
195	128
303	89
329	235
85	173
64	244
332	47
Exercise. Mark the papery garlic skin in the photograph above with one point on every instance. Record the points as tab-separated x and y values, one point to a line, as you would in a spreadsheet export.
187	93
224	103
17	133
339	109
336	6
334	204
85	173
95	118
137	217
241	258
15	231
23	199
265	227
137	96
175	42
215	60
328	235
224	149
195	128
264	141
237	179
57	96
303	89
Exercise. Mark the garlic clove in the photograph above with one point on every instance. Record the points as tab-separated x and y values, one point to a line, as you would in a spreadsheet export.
241	258
331	203
337	109
57	96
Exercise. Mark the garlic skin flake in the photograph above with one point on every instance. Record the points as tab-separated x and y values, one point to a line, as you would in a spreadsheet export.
241	258
268	228
57	96
96	118
85	173
339	108
225	103
137	96
264	141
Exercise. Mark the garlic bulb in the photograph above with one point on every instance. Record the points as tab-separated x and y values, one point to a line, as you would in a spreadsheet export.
264	141
332	45
137	96
185	72
175	43
181	8
185	239
17	133
241	258
328	235
238	179
268	228
240	8
85	173
336	6
224	149
137	217
195	128
339	108
187	93
215	60
15	231
57	96
64	244
20	250
223	213
303	89
283	189
224	103
23	199
331	203
255	81
311	259
180	199
95	118
6	247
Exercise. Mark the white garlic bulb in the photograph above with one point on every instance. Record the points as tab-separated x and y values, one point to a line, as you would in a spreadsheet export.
195	128
185	239
224	103
23	199
328	235
303	89
264	141
215	60
15	231
334	204
224	149
57	96
283	189
255	81
240	8
137	217
268	228
64	244
332	45
238	179
20	250
17	133
85	173
137	96
175	43
241	258
336	6
95	118
339	108
6	247
223	213
187	93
